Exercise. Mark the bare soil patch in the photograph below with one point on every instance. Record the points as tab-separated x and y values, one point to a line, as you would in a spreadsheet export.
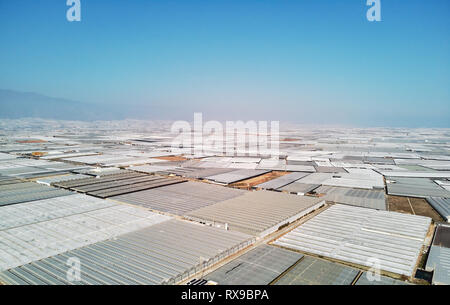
413	206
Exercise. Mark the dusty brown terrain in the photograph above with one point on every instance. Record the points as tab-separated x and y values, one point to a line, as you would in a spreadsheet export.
414	206
245	184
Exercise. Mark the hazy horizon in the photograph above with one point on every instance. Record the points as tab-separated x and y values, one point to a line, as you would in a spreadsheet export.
306	62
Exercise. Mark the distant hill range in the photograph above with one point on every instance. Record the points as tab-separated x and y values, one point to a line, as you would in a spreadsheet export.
14	105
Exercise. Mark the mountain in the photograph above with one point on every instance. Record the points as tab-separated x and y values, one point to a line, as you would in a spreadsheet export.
14	105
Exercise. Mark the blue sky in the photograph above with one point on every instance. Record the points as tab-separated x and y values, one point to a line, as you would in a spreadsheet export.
306	61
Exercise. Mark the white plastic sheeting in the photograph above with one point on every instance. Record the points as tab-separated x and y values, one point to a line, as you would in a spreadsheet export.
416	174
362	236
50	180
257	213
442	205
439	262
236	176
281	181
356	178
165	253
58	225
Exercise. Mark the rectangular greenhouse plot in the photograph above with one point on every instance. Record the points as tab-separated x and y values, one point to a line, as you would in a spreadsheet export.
314	271
259	266
5	180
28	191
438	259
198	173
362	236
442	236
299	188
181	198
47	209
83	182
415	187
281	181
236	176
165	253
115	191
117	184
442	205
150	169
257	213
60	178
53	227
374	199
